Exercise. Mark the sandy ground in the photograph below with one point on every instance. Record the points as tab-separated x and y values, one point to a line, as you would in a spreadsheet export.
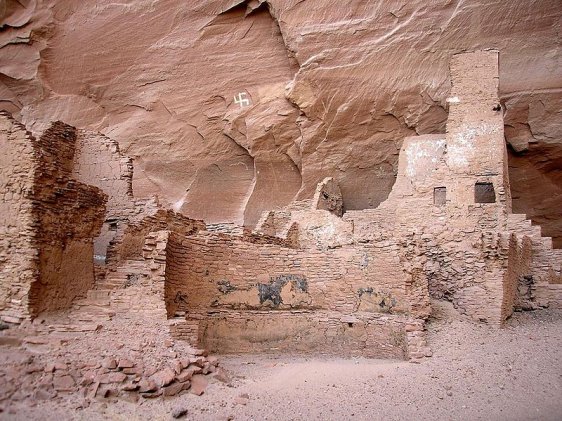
476	373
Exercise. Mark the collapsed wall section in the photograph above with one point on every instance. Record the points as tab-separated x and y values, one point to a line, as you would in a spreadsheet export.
58	219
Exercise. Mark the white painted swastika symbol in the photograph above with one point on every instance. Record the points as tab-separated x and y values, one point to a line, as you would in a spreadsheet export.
241	100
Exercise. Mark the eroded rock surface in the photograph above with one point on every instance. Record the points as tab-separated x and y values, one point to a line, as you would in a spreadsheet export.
232	107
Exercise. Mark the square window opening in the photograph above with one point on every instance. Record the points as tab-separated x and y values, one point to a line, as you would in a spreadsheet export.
439	196
484	193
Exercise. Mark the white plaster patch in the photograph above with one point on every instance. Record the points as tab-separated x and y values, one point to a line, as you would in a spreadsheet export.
463	147
327	230
453	100
419	153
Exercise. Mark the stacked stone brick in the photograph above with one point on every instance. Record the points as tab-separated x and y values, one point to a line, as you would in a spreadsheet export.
228	285
51	220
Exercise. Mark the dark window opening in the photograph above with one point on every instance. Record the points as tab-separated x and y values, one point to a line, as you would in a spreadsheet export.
439	195
484	193
113	226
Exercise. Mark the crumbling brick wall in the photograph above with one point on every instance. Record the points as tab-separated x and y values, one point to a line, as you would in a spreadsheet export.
58	221
254	297
19	263
99	162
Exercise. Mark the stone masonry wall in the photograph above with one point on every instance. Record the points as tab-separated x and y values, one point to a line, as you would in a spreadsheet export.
131	244
541	284
70	215
228	285
463	246
461	263
99	162
59	218
19	262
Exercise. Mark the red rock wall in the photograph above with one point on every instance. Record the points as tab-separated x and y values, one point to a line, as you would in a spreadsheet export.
359	81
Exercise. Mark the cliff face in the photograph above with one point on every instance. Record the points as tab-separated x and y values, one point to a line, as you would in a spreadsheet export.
232	107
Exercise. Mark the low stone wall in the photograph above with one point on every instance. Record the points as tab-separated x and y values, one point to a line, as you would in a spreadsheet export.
305	332
259	285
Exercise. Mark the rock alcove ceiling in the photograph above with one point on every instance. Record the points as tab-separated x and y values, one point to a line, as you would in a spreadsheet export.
229	107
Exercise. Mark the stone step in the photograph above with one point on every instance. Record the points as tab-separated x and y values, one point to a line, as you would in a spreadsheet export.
517	217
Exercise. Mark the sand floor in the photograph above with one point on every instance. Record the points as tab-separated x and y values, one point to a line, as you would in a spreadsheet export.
476	373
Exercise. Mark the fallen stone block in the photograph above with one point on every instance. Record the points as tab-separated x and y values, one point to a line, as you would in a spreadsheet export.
172	389
164	377
179	411
147	386
109	363
222	375
184	376
125	363
130	386
198	384
63	383
112	378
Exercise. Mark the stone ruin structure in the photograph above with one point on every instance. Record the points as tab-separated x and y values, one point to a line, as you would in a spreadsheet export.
309	278
49	222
